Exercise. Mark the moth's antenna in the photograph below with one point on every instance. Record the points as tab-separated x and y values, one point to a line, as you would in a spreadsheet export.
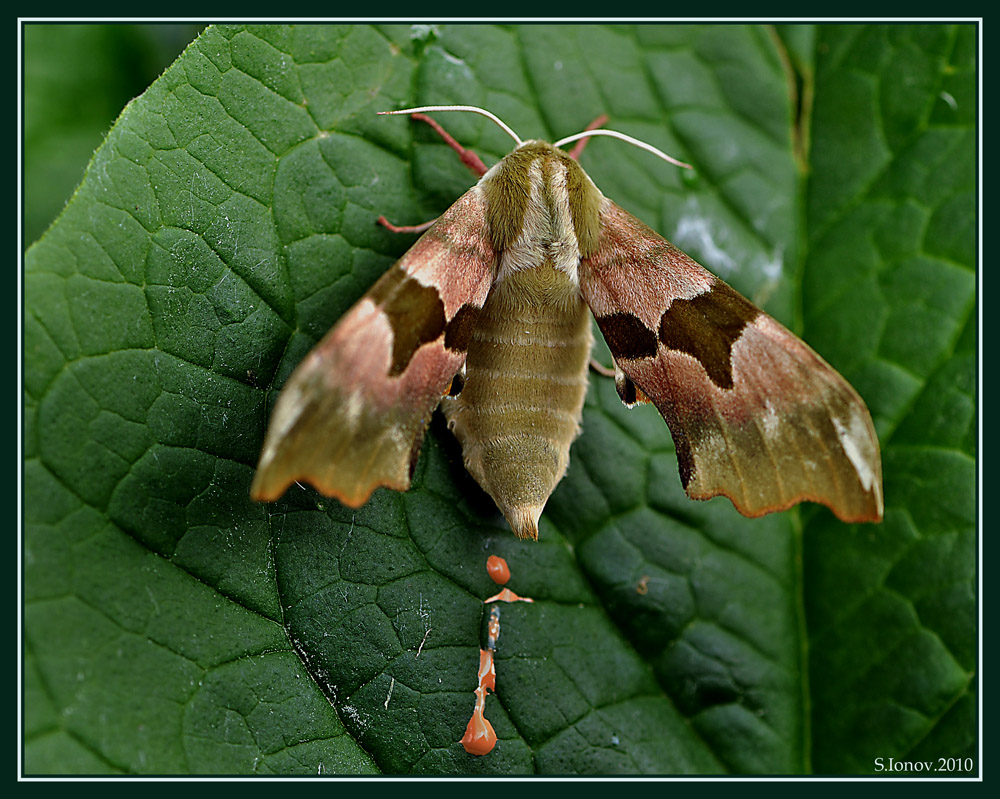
616	135
474	109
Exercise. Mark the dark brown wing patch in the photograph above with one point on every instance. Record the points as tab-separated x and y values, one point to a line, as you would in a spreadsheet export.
706	327
459	330
627	336
415	311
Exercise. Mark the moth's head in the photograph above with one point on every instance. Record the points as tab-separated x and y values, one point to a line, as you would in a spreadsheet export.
534	149
520	159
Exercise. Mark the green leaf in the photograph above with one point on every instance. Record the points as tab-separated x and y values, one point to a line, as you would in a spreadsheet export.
76	80
891	213
173	626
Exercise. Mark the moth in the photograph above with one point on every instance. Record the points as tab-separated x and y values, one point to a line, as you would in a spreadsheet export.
487	316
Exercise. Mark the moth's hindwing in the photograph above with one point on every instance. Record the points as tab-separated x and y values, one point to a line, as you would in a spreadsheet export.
353	414
755	414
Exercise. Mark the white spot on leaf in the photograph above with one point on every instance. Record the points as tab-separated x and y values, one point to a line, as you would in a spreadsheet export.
694	232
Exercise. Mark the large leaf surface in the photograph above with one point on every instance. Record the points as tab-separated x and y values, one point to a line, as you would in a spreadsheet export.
76	79
172	626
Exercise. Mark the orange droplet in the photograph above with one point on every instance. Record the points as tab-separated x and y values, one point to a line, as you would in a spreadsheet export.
497	569
480	738
506	595
643	586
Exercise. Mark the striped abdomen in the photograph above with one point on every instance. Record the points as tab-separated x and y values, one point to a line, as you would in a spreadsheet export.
526	377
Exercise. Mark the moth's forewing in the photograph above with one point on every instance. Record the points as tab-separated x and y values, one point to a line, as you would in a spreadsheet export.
756	415
353	414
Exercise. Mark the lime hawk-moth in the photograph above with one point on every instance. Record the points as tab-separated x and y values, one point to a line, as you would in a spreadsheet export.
486	315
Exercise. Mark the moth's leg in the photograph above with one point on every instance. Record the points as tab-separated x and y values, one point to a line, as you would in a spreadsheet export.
600	368
631	395
575	152
469	158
